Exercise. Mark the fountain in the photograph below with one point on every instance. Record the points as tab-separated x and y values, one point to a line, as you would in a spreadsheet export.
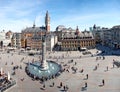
45	68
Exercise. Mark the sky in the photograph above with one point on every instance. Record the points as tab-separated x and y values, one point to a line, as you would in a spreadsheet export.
16	15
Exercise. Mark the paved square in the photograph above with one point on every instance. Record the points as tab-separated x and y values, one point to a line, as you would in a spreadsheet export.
76	67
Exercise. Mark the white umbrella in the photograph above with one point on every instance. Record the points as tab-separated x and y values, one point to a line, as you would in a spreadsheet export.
8	76
1	71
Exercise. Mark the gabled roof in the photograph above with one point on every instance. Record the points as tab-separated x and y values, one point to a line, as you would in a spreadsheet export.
34	29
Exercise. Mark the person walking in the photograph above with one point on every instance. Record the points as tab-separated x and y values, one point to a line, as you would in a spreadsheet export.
60	84
67	87
85	84
44	86
103	82
107	68
86	76
98	64
64	88
53	84
95	68
82	70
75	63
113	65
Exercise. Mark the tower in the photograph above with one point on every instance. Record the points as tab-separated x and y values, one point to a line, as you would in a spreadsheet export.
77	30
94	26
47	22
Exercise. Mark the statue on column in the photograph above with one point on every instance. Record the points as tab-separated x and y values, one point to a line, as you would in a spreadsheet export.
44	63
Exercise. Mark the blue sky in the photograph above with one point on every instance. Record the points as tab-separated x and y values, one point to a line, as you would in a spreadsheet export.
16	15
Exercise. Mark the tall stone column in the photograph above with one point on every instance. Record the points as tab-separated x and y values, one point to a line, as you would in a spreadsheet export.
44	64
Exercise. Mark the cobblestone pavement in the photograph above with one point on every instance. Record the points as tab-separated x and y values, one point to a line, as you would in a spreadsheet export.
74	75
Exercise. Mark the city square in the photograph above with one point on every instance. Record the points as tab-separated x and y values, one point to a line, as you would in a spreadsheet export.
78	70
59	46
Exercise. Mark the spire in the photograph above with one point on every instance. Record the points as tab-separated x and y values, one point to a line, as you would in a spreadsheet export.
47	22
34	24
47	14
77	30
94	26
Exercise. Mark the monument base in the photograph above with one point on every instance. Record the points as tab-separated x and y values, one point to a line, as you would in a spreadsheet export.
44	65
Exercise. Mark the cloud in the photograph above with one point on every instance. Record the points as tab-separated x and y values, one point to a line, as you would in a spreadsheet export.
17	14
82	18
15	25
40	19
84	21
20	7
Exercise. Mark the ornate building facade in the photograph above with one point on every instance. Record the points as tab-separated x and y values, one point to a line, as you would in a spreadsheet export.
74	39
31	36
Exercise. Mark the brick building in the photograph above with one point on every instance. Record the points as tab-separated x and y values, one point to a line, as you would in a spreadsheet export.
71	39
